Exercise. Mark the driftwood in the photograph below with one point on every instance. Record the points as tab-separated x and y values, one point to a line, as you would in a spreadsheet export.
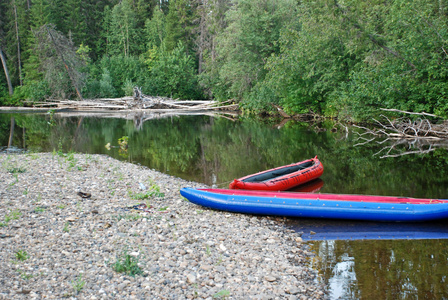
403	136
138	101
405	128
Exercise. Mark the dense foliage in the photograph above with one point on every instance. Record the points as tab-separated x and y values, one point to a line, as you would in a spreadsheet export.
339	58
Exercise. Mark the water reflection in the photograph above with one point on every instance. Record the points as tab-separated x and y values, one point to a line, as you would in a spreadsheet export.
383	269
316	230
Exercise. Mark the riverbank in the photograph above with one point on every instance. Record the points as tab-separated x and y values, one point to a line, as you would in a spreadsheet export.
67	228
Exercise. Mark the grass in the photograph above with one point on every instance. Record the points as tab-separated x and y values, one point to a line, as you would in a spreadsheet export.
39	209
153	191
131	217
221	294
14	215
78	284
24	275
127	264
22	255
66	227
16	170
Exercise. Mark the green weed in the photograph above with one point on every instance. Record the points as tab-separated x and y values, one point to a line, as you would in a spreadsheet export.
130	217
78	284
66	227
16	170
127	264
222	294
22	255
24	275
39	209
14	215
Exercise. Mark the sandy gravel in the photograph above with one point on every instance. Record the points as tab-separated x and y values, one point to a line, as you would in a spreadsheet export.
68	230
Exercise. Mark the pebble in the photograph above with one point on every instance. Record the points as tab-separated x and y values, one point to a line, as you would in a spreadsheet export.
182	251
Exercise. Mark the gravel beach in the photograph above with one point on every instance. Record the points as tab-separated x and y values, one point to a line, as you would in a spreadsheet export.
71	227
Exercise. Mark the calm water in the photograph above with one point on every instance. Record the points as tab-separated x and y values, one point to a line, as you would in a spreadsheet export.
357	260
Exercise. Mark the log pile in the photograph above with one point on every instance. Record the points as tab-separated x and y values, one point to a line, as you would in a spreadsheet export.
404	136
138	101
405	128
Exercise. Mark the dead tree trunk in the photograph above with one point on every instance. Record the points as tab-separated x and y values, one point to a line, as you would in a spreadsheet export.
5	68
18	45
61	56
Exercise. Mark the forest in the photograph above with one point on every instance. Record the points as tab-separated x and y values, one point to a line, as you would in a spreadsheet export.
343	59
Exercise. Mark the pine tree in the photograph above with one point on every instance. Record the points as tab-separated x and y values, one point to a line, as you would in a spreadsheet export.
123	35
179	24
155	28
39	16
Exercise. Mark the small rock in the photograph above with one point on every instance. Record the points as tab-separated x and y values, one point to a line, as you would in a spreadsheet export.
270	278
191	278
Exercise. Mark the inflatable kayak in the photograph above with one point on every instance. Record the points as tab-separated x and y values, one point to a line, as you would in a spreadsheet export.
335	206
281	178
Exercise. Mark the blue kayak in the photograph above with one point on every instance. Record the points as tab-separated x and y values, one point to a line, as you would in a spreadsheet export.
309	205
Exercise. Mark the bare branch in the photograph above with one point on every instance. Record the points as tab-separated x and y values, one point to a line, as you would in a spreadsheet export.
408	112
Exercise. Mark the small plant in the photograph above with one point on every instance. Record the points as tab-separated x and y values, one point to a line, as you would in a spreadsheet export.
39	198
25	192
22	255
127	264
16	170
131	217
39	209
14	215
222	294
123	143
71	160
61	206
51	112
153	191
24	275
66	227
16	176
207	250
78	284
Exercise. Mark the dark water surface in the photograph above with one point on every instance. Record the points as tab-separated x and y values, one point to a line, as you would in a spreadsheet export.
357	260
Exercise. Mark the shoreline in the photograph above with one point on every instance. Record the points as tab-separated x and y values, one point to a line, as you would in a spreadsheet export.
57	244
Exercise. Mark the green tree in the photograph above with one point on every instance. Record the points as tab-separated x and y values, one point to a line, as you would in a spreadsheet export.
179	23
155	28
172	73
246	43
123	35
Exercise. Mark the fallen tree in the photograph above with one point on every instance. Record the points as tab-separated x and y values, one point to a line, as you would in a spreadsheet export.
403	136
402	128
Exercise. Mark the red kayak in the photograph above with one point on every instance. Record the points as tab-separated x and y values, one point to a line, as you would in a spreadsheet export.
281	178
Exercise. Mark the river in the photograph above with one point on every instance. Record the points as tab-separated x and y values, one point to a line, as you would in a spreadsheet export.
356	260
